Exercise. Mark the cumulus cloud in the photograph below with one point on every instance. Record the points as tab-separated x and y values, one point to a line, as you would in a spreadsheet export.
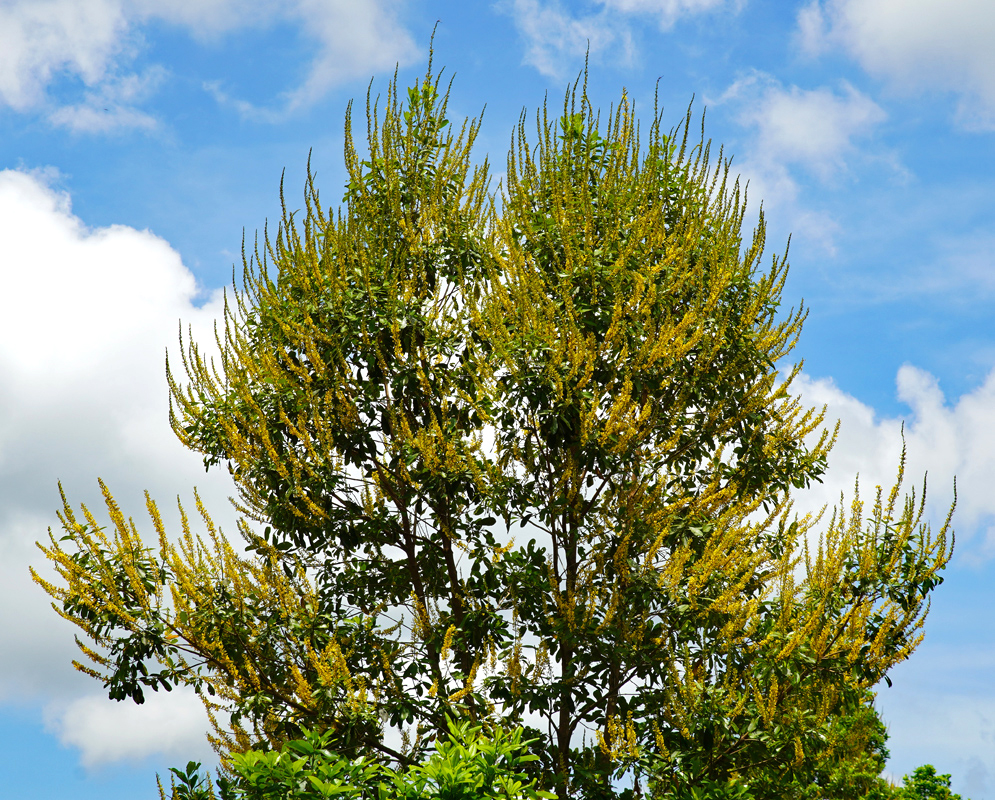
95	41
171	725
556	37
86	316
944	439
941	708
811	128
919	44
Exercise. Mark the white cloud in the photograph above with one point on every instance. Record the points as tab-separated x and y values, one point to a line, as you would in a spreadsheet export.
169	724
556	38
916	44
110	107
811	33
960	733
940	710
945	439
85	318
356	39
90	117
667	10
40	38
94	41
813	130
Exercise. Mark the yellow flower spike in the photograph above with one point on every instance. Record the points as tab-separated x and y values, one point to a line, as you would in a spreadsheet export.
773	697
447	642
468	686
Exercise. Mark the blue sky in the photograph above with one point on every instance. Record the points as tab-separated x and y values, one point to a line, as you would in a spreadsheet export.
138	139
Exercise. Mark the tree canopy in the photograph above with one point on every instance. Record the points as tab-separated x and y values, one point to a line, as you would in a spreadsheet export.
521	456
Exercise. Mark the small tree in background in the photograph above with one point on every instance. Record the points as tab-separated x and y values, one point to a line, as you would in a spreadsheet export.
523	460
925	784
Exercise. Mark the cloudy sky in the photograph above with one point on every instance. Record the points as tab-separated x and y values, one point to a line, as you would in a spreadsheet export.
138	139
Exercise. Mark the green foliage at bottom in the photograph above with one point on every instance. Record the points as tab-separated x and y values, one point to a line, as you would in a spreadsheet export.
468	764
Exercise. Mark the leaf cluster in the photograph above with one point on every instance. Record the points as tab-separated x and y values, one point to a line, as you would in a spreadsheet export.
468	764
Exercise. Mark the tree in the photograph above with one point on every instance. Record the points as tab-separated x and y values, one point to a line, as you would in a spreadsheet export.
925	784
587	361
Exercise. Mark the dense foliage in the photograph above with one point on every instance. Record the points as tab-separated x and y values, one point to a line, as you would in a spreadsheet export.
925	784
522	459
467	764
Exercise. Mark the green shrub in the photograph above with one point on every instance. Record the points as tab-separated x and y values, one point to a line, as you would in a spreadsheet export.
467	764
